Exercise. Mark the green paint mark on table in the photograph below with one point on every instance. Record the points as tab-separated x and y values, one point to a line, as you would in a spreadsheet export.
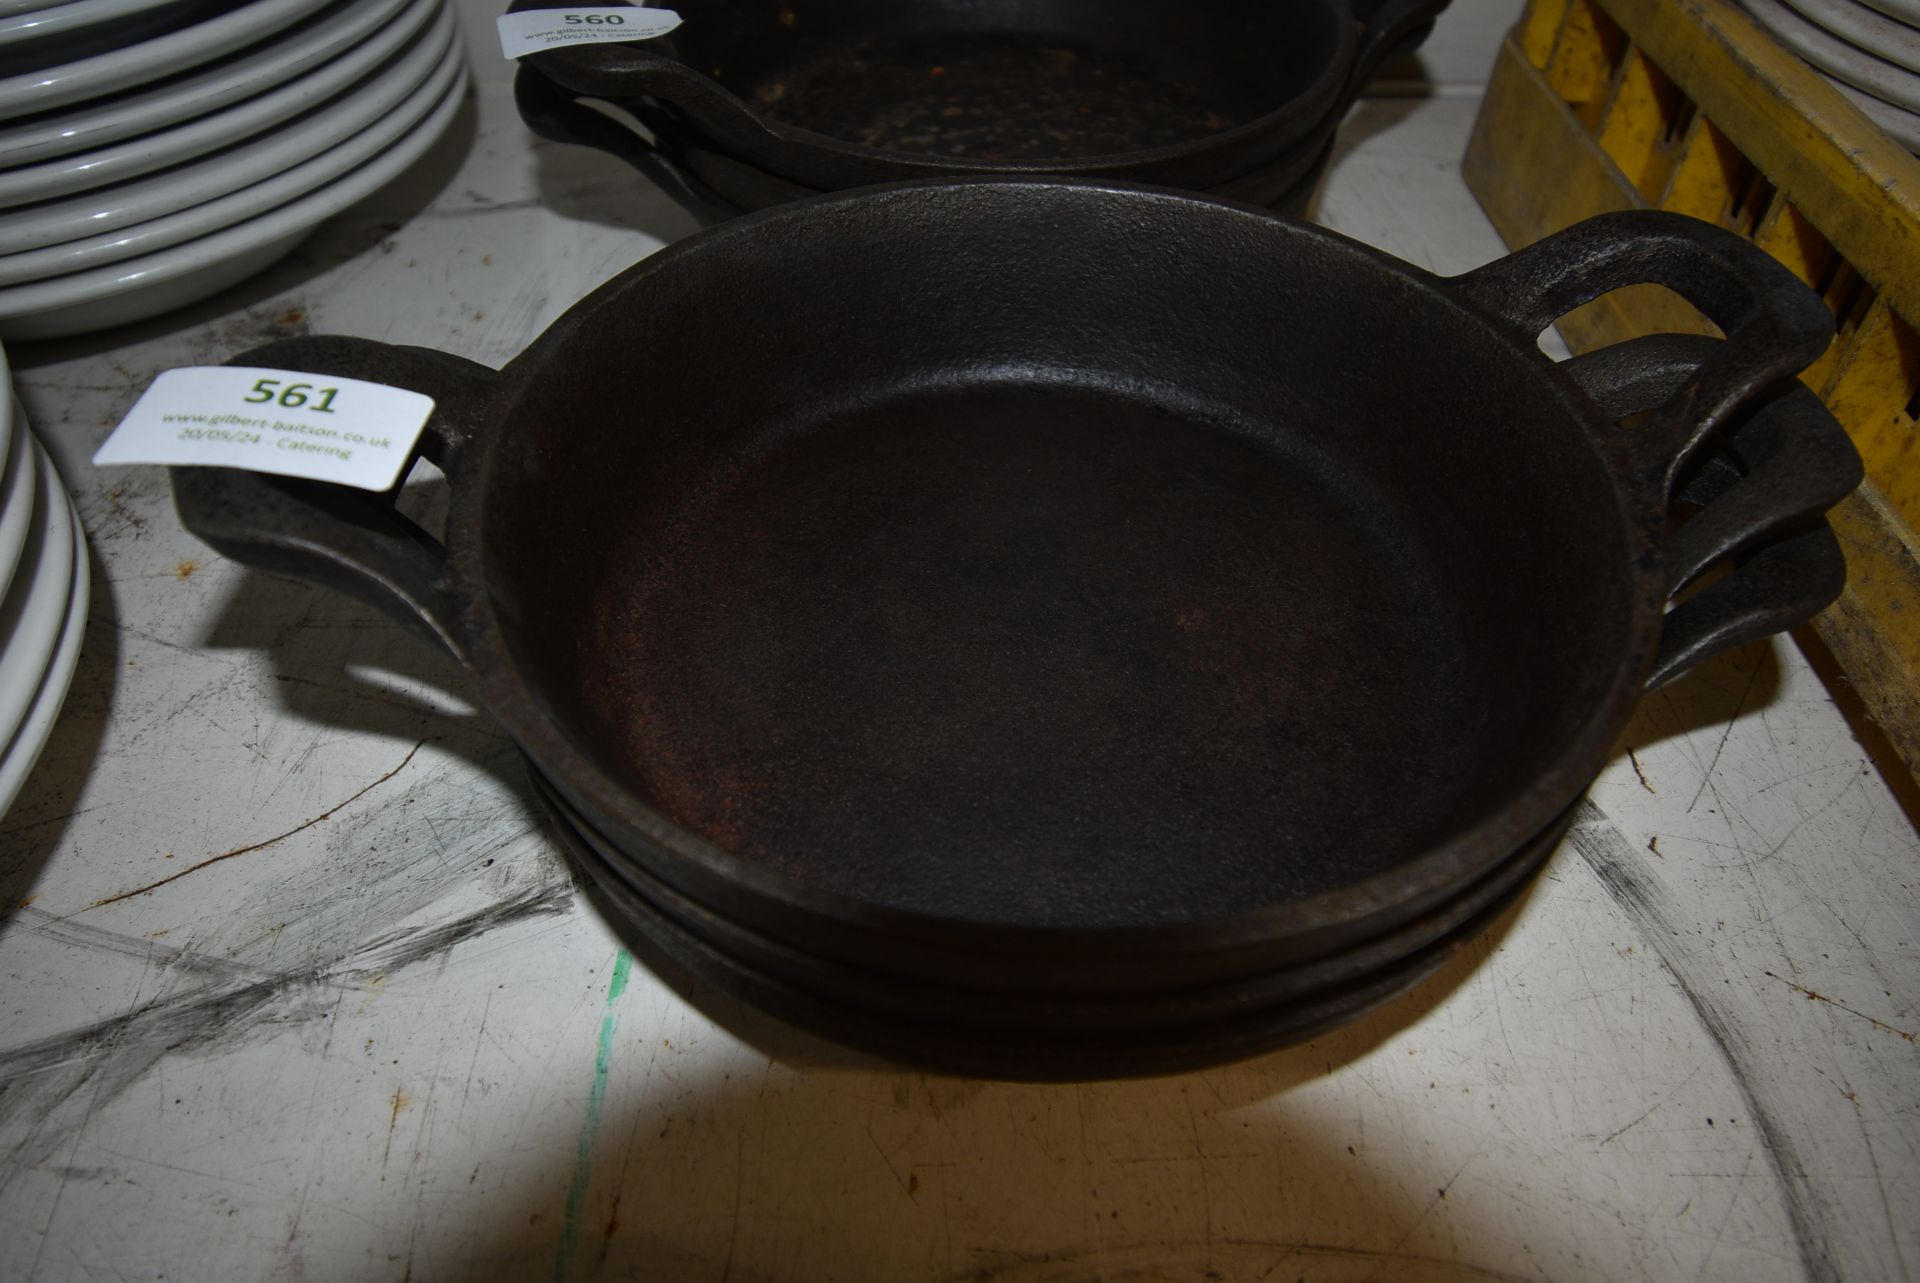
590	1126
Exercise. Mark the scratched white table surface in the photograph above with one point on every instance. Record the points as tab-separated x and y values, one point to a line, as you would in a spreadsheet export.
293	984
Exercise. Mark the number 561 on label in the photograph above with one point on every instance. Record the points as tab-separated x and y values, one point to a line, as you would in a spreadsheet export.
293	395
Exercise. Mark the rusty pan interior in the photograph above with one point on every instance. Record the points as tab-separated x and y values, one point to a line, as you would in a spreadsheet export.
1013	81
911	556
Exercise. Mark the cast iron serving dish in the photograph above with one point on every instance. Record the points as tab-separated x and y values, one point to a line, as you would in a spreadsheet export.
755	102
714	186
1063	629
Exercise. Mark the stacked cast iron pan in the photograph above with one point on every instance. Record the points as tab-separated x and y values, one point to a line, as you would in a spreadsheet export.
753	103
901	993
1033	1031
1067	630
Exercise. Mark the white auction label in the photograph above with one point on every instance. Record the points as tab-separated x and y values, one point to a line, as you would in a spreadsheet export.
537	29
316	426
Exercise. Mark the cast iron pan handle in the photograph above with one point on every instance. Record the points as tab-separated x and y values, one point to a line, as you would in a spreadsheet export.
1794	460
1391	29
632	70
1759	499
1779	587
338	536
557	115
1775	325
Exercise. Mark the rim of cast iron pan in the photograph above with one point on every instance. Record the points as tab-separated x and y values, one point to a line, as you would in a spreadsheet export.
1312	104
1016	1055
711	183
1140	1010
713	874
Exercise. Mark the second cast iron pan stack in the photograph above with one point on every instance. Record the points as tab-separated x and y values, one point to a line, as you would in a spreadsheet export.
752	103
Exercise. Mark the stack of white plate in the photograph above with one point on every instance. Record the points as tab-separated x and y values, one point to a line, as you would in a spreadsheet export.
153	152
1869	52
43	594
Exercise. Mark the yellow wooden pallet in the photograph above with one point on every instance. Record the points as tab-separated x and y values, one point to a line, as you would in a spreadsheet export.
1687	105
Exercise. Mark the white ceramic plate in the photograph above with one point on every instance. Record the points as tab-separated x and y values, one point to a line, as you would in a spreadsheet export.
248	202
235	79
156	283
1884	80
239	206
1866	29
75	15
1900	124
19	478
1907	11
36	727
6	403
150	59
90	215
14	480
11	7
36	601
81	171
